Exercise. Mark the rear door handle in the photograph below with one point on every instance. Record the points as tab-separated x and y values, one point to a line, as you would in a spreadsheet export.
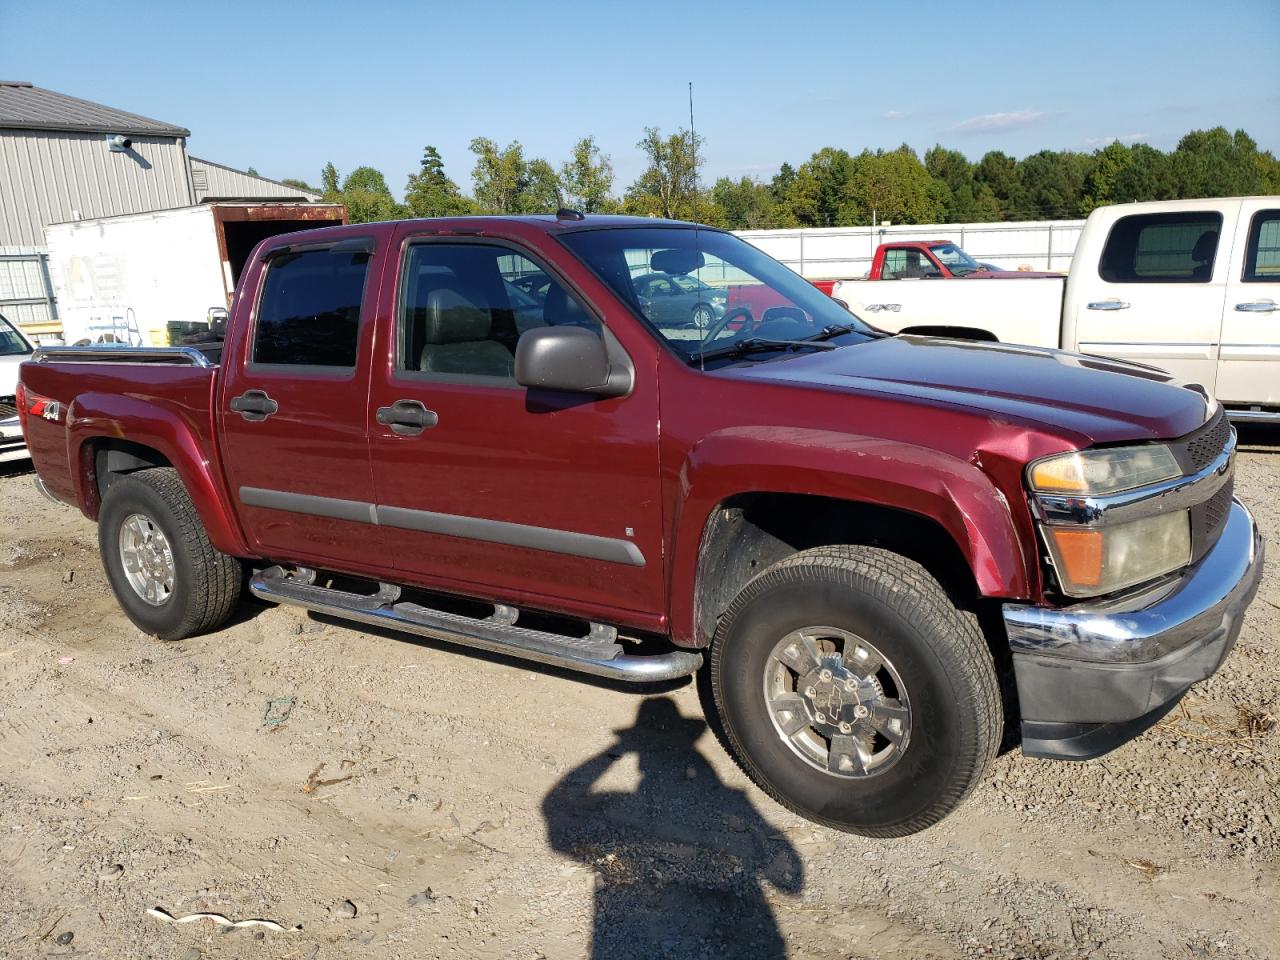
254	405
1258	306
407	418
1109	305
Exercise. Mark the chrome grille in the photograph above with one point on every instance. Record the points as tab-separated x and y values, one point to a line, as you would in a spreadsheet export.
8	407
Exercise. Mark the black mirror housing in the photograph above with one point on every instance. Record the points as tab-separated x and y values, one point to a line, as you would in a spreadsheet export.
570	359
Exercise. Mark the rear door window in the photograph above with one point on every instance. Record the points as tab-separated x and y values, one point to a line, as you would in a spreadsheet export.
309	311
1162	248
1262	256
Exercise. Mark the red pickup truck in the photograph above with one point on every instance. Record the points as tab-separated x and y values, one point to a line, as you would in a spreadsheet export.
874	551
936	260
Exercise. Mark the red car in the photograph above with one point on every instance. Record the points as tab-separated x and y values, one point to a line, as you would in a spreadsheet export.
871	548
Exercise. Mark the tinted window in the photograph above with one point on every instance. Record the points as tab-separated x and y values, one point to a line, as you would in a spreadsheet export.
10	343
309	314
465	305
1161	248
1262	258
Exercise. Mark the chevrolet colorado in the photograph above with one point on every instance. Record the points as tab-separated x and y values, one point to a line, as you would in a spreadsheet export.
878	553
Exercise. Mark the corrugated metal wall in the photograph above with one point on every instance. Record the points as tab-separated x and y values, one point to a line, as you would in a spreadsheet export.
54	176
214	181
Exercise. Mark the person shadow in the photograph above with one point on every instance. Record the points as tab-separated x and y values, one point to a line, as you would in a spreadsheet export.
682	860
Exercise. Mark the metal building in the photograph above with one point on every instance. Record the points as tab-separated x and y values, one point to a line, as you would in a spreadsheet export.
215	182
64	159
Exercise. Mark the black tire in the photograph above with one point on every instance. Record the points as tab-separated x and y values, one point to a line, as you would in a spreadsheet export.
938	652
207	582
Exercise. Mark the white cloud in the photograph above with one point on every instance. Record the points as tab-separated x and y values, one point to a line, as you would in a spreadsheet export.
992	122
894	115
1107	141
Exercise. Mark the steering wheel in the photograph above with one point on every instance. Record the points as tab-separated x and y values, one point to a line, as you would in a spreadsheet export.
719	326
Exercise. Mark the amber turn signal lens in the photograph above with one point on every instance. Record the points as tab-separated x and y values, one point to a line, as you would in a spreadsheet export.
1061	474
1080	553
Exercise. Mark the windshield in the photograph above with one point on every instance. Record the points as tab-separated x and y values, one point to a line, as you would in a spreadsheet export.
11	342
955	259
705	291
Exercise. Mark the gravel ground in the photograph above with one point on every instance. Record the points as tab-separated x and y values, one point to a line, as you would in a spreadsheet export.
398	798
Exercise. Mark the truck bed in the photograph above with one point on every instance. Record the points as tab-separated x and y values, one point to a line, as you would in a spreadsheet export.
75	392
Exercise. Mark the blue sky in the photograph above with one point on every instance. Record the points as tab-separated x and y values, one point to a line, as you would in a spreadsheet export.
285	87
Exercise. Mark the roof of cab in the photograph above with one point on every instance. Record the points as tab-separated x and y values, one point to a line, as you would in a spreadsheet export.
546	223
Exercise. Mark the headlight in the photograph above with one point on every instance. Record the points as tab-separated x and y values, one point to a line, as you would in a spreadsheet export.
1094	561
1098	472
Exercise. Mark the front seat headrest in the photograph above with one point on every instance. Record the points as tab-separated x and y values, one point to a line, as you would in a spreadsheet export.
1205	247
452	318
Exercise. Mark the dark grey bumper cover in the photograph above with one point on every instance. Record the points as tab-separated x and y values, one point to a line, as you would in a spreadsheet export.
1092	676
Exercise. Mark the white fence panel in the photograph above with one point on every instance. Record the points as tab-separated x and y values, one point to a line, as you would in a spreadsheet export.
845	252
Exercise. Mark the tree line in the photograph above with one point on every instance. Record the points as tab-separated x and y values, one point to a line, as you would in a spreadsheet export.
833	188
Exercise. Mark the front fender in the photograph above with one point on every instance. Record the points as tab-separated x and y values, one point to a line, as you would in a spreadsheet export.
178	432
952	492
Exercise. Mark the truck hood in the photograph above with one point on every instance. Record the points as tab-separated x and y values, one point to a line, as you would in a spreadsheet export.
1098	399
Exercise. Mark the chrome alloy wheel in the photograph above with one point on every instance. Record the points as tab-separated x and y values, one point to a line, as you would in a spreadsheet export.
147	559
837	702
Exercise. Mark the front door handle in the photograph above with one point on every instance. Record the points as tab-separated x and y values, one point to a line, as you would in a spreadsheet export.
1258	306
407	418
1109	305
254	405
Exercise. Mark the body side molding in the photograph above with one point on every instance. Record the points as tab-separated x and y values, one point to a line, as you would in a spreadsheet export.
568	542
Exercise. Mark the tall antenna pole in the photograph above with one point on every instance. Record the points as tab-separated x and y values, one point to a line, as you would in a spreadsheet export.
693	152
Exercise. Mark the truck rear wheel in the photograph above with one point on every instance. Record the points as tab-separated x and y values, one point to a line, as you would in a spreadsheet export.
851	690
166	575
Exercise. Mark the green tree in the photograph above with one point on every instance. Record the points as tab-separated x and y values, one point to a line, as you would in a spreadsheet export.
668	187
368	198
430	192
329	182
1053	184
499	175
998	173
1149	175
587	178
1215	163
892	185
819	189
505	182
744	204
543	191
964	200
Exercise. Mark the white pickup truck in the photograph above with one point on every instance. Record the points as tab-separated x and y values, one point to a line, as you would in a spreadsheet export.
14	348
1191	286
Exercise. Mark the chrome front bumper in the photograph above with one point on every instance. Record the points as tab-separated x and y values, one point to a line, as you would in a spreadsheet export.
1093	675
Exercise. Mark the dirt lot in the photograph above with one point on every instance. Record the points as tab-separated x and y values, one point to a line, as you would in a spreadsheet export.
295	770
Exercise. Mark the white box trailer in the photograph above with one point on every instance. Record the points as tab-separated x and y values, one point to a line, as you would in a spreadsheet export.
148	279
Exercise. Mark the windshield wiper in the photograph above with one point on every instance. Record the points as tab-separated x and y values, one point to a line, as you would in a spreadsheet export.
828	332
762	345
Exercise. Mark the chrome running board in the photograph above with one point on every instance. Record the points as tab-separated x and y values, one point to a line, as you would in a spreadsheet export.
597	653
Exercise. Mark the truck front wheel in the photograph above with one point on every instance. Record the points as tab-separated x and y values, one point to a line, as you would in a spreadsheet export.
166	575
851	690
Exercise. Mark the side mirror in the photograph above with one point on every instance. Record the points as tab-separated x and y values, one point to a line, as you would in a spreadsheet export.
572	359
